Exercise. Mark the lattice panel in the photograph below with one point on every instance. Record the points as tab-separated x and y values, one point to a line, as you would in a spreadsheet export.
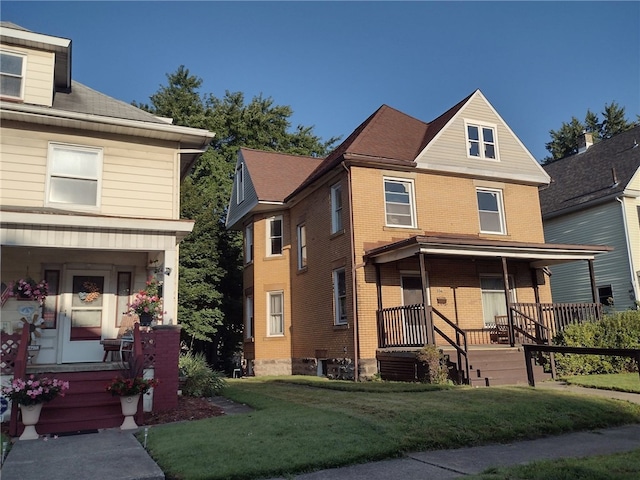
9	351
148	348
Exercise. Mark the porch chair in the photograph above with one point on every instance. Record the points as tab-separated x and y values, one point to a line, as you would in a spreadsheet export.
123	343
500	333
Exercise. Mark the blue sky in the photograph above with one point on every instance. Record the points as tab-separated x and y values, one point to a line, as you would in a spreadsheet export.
335	63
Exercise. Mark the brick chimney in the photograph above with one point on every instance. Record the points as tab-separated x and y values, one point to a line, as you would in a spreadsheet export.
584	142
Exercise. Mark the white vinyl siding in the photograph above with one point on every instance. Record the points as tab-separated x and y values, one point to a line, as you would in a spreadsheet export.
274	236
12	74
399	203
340	296
275	312
74	176
490	211
336	208
302	246
37	84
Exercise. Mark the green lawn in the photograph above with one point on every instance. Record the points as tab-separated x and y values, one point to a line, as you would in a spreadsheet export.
303	423
623	382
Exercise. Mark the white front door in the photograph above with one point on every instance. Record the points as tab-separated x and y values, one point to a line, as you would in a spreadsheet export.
83	315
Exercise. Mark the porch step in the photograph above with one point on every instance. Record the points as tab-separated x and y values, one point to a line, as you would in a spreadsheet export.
85	406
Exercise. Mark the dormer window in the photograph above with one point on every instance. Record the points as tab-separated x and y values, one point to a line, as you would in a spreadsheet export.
12	68
481	141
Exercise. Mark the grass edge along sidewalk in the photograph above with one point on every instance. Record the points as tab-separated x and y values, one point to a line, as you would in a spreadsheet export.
301	424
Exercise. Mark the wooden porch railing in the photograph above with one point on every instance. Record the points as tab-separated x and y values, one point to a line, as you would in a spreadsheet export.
19	371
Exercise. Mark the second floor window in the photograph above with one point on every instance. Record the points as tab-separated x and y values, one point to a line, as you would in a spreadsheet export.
74	175
11	74
302	246
248	244
274	234
481	141
398	203
491	211
340	296
336	208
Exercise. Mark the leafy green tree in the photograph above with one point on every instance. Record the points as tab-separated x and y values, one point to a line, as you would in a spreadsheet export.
564	141
210	290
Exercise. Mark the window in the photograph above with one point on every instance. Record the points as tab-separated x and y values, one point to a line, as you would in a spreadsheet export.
399	203
12	68
248	244
240	183
274	234
275	310
248	326
302	246
336	208
74	175
490	209
605	295
340	296
481	141
493	301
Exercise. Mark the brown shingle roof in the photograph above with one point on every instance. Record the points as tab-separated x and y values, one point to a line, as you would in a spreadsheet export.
604	170
276	175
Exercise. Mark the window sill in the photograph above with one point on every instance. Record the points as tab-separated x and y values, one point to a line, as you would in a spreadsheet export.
274	257
249	340
302	270
341	326
395	228
275	337
336	234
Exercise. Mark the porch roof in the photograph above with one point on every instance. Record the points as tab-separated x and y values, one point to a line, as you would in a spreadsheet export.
537	254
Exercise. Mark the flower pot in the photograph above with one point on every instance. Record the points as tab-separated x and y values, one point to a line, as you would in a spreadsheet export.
30	417
129	406
145	319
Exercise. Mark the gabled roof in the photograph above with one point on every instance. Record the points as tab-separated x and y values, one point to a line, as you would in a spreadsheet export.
602	172
275	175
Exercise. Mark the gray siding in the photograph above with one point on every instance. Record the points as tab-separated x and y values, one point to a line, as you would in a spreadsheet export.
237	211
600	225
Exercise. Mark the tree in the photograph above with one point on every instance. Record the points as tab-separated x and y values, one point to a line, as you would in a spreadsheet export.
564	141
210	289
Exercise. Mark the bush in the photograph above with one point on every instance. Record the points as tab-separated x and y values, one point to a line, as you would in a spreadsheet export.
616	330
435	363
201	379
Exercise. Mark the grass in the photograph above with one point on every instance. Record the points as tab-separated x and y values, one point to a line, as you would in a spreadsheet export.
622	382
619	466
302	424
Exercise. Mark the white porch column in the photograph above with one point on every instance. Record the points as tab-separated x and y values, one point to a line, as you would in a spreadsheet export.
170	289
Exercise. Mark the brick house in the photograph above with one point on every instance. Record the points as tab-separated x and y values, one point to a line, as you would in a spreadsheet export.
408	233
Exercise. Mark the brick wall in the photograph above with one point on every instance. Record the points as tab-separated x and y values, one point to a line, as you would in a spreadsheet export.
167	351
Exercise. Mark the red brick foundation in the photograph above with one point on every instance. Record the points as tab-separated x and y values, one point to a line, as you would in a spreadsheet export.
167	351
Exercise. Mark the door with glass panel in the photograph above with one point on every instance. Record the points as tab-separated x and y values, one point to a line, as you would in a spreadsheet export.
84	315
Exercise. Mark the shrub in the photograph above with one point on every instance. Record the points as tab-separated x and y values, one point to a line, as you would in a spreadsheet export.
616	330
435	363
201	379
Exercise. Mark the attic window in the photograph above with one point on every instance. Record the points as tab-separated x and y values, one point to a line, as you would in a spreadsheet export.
481	141
240	183
11	75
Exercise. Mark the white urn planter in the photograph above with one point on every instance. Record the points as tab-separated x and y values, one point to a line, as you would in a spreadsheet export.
129	404
30	416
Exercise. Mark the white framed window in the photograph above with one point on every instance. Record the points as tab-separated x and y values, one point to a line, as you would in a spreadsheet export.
481	140
340	296
248	244
275	311
240	183
248	317
274	236
74	175
302	246
494	305
491	211
12	68
399	203
336	208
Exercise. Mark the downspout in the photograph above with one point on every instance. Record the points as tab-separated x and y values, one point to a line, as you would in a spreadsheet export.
634	281
354	294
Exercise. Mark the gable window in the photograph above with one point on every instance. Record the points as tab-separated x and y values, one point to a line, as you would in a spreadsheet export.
74	175
274	233
340	296
302	246
336	208
275	309
399	203
248	326
248	244
240	183
481	141
12	68
491	210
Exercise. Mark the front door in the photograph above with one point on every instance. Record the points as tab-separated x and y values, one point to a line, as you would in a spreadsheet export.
415	325
84	313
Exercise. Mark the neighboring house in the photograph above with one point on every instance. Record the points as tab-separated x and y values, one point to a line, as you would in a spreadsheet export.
594	197
403	235
89	198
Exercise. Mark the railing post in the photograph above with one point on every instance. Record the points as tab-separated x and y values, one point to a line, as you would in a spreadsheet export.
19	371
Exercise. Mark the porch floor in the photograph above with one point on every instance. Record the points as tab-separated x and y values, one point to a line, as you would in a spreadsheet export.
39	368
